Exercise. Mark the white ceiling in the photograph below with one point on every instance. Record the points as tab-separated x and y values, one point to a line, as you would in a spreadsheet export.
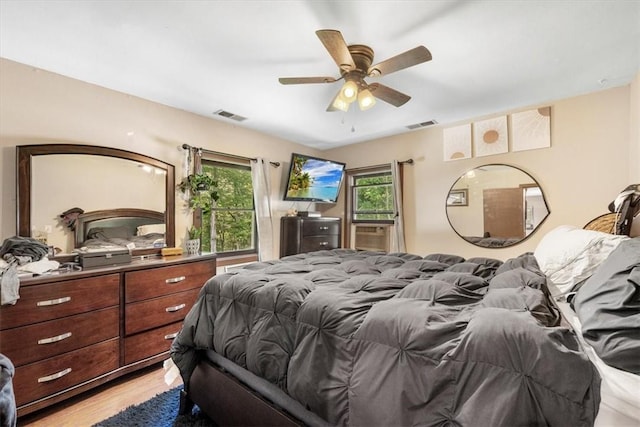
489	57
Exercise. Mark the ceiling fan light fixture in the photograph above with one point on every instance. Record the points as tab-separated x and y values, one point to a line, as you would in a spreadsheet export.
340	104
366	99
349	91
354	62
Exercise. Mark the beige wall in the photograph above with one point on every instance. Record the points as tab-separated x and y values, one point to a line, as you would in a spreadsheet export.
593	156
39	107
594	151
634	131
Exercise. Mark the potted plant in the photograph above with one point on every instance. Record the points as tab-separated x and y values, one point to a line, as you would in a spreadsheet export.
193	242
203	194
203	190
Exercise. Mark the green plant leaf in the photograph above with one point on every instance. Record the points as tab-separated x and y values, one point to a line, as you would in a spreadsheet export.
203	190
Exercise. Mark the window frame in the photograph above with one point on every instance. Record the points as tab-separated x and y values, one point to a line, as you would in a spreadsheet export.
353	176
220	161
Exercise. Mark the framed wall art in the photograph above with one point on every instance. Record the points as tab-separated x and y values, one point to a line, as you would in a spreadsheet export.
457	142
531	129
458	197
490	136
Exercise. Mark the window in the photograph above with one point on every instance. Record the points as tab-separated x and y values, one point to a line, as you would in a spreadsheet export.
372	197
235	220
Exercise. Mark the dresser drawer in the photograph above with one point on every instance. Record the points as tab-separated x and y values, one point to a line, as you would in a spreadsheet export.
140	316
144	284
39	303
320	228
52	375
28	344
150	343
317	243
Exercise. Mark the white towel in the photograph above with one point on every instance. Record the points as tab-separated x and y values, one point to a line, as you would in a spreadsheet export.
9	285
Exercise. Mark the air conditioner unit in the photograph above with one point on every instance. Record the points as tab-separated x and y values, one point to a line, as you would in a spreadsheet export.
372	237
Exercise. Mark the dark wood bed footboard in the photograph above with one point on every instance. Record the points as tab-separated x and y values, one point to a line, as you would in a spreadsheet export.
230	403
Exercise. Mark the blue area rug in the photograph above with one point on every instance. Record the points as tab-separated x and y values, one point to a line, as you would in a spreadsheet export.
159	411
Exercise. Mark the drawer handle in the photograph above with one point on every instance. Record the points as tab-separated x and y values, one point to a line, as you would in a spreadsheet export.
175	280
54	376
53	301
323	228
175	308
324	243
55	339
170	336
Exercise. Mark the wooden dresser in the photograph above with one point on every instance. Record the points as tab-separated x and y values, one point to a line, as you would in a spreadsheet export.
307	234
70	332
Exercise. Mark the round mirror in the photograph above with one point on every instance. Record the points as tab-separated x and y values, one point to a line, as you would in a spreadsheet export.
495	206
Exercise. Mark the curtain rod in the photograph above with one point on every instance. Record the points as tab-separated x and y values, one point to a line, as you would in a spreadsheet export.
219	153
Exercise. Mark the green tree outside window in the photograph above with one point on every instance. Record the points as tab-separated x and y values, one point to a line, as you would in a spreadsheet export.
235	221
373	197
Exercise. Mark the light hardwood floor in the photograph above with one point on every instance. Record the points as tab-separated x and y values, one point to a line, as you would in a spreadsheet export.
102	402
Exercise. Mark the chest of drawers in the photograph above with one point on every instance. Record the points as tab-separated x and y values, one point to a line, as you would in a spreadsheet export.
305	234
156	302
73	331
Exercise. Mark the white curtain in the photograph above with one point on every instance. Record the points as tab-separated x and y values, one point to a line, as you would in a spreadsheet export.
262	202
197	168
397	235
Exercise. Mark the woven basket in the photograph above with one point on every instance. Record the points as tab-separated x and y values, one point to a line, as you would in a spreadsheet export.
605	223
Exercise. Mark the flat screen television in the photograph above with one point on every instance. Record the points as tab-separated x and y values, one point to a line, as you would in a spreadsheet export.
312	179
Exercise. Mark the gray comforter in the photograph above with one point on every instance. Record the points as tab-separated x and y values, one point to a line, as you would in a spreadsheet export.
369	339
608	306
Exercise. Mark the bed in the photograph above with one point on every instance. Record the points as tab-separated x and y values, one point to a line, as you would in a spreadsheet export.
347	337
117	228
595	279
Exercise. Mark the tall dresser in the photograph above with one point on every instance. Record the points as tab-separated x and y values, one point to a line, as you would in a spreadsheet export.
300	234
70	332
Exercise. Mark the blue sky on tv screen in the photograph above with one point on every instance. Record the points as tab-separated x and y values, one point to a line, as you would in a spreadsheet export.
324	173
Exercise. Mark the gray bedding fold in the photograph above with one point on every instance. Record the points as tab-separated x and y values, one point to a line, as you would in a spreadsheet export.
398	339
608	306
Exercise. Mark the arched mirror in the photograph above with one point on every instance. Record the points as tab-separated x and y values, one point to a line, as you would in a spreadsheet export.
113	188
496	206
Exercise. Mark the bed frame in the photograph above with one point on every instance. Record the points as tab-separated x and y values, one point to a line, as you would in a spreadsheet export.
230	403
241	398
126	217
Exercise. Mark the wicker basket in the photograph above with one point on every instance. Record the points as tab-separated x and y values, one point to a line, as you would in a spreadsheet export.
605	223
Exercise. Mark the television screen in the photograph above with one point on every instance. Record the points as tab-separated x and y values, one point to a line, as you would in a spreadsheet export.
312	179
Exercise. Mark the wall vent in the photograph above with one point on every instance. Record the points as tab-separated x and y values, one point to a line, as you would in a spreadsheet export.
423	124
229	115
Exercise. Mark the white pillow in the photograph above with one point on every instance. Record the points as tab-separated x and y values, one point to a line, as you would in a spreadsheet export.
151	228
569	255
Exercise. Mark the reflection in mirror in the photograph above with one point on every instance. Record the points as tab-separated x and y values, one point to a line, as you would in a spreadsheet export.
109	177
496	206
55	178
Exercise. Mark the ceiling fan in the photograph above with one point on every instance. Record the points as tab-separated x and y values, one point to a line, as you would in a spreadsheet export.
354	62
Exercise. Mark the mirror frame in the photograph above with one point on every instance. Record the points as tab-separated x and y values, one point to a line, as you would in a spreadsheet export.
25	154
497	247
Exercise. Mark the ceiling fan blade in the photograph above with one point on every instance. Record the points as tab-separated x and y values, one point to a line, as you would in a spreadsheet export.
407	59
337	48
388	95
305	80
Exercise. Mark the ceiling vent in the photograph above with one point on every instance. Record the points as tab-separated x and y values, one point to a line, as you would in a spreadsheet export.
229	115
423	124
